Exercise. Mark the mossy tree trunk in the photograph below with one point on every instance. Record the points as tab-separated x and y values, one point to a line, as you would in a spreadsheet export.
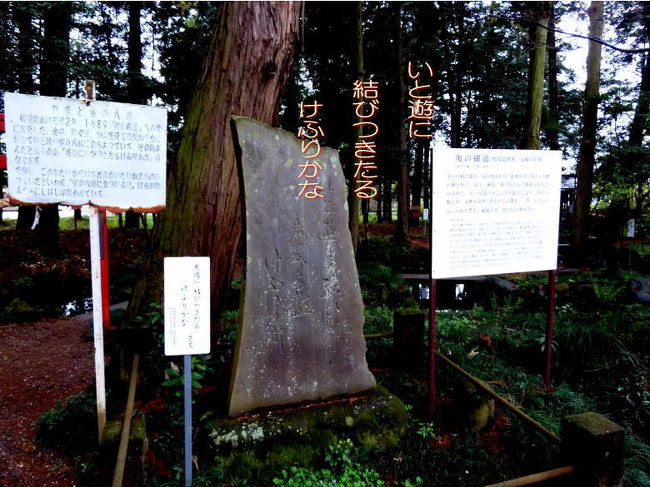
553	122
537	56
587	153
248	63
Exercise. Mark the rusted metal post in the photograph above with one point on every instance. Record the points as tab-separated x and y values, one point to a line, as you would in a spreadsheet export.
433	345
550	323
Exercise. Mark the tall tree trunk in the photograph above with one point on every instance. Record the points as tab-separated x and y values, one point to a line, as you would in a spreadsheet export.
639	126
249	61
553	122
426	176
135	89
416	185
57	21
353	201
586	157
402	225
387	206
23	19
456	108
537	55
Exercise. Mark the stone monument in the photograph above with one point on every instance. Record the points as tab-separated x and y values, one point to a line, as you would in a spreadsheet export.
301	320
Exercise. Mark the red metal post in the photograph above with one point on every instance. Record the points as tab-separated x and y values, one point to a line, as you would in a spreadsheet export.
3	157
433	345
106	311
550	322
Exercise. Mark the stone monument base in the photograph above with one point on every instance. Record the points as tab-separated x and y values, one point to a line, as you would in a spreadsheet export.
298	436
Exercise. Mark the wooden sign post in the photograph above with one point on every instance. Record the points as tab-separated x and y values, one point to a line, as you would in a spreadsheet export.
85	152
187	326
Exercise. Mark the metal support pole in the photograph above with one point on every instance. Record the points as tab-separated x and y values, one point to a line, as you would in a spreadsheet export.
98	330
433	345
550	322
187	370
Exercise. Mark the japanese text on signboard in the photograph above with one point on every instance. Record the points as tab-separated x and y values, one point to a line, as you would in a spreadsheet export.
187	305
62	151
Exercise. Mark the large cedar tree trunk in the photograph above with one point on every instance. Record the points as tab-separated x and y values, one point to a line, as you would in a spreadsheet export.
248	63
586	157
402	224
23	18
537	56
639	126
135	88
57	21
553	122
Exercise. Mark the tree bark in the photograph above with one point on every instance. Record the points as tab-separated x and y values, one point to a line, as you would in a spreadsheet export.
23	20
249	61
537	54
387	206
416	186
57	21
353	201
553	122
586	156
402	224
135	88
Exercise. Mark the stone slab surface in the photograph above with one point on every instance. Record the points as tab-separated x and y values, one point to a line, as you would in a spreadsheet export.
301	321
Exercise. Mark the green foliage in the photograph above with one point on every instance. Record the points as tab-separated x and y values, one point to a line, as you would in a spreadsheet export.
70	425
176	376
341	470
378	320
381	285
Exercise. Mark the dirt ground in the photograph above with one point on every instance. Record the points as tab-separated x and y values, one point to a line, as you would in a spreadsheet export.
40	363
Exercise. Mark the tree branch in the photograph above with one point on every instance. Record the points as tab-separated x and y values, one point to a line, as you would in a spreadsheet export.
573	34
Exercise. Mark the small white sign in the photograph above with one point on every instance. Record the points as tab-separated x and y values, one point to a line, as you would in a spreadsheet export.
630	228
425	215
187	305
494	211
60	150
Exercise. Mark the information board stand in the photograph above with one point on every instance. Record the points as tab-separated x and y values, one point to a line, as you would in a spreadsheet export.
493	212
85	152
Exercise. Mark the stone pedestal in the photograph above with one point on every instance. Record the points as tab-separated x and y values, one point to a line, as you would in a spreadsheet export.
298	436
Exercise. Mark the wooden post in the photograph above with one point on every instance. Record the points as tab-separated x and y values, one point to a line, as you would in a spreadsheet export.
595	445
433	345
106	306
98	329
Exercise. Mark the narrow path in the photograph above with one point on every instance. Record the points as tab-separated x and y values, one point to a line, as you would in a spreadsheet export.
40	363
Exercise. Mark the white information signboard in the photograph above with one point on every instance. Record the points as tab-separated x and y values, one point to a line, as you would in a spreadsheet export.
62	150
494	211
187	305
